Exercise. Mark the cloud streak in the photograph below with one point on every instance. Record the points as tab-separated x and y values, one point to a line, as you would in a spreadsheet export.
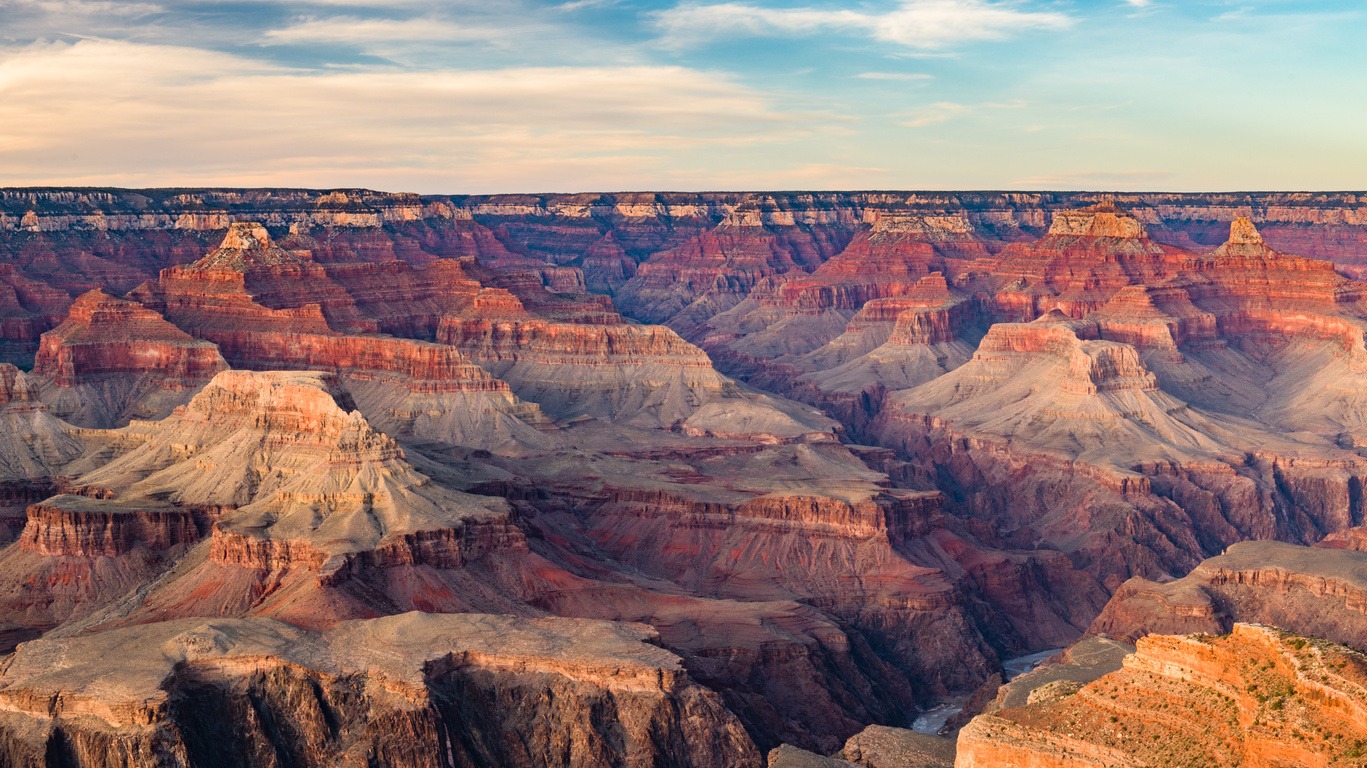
115	112
918	24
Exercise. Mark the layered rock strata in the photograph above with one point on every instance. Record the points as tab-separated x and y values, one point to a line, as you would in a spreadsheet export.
1257	696
112	360
411	690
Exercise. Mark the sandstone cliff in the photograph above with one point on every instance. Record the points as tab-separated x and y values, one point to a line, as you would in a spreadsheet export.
1316	591
1256	697
412	690
113	360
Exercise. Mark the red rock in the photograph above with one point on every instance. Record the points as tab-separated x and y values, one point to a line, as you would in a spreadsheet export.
414	691
1257	696
1085	258
1311	591
112	360
74	526
717	268
27	309
104	335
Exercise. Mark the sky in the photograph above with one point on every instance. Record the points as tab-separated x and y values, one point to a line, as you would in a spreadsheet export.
460	97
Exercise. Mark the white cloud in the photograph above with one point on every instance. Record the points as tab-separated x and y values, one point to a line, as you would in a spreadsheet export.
100	112
346	29
923	24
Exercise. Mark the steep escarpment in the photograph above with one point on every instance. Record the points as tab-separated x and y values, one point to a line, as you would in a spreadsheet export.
112	360
712	272
27	309
1257	696
787	316
35	446
410	690
888	345
76	554
1090	414
1313	591
66	237
407	386
295	494
294	465
912	613
620	372
1085	427
444	417
1086	256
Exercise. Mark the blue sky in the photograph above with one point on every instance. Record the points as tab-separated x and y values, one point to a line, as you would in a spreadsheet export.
606	95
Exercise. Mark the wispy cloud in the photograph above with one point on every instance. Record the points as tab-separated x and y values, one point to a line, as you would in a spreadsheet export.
922	24
944	111
351	30
117	112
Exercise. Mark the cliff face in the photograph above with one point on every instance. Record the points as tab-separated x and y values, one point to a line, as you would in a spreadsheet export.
913	614
412	690
296	468
35	446
112	360
104	335
1257	697
1315	591
266	308
27	309
1148	408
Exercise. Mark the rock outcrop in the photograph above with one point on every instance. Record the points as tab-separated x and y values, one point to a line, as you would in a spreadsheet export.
27	309
1313	591
306	479
407	386
35	446
624	373
113	360
1086	256
1257	696
881	747
414	690
713	271
433	412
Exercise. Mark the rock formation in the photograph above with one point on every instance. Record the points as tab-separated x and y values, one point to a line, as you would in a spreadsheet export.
35	448
113	360
407	386
1314	591
27	309
411	690
1257	696
881	747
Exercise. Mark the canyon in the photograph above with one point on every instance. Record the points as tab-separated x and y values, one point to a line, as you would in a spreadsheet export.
344	477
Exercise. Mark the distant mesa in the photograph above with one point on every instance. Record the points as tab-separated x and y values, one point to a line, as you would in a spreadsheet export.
1101	220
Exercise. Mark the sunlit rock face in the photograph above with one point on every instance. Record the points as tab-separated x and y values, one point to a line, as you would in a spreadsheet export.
1257	696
